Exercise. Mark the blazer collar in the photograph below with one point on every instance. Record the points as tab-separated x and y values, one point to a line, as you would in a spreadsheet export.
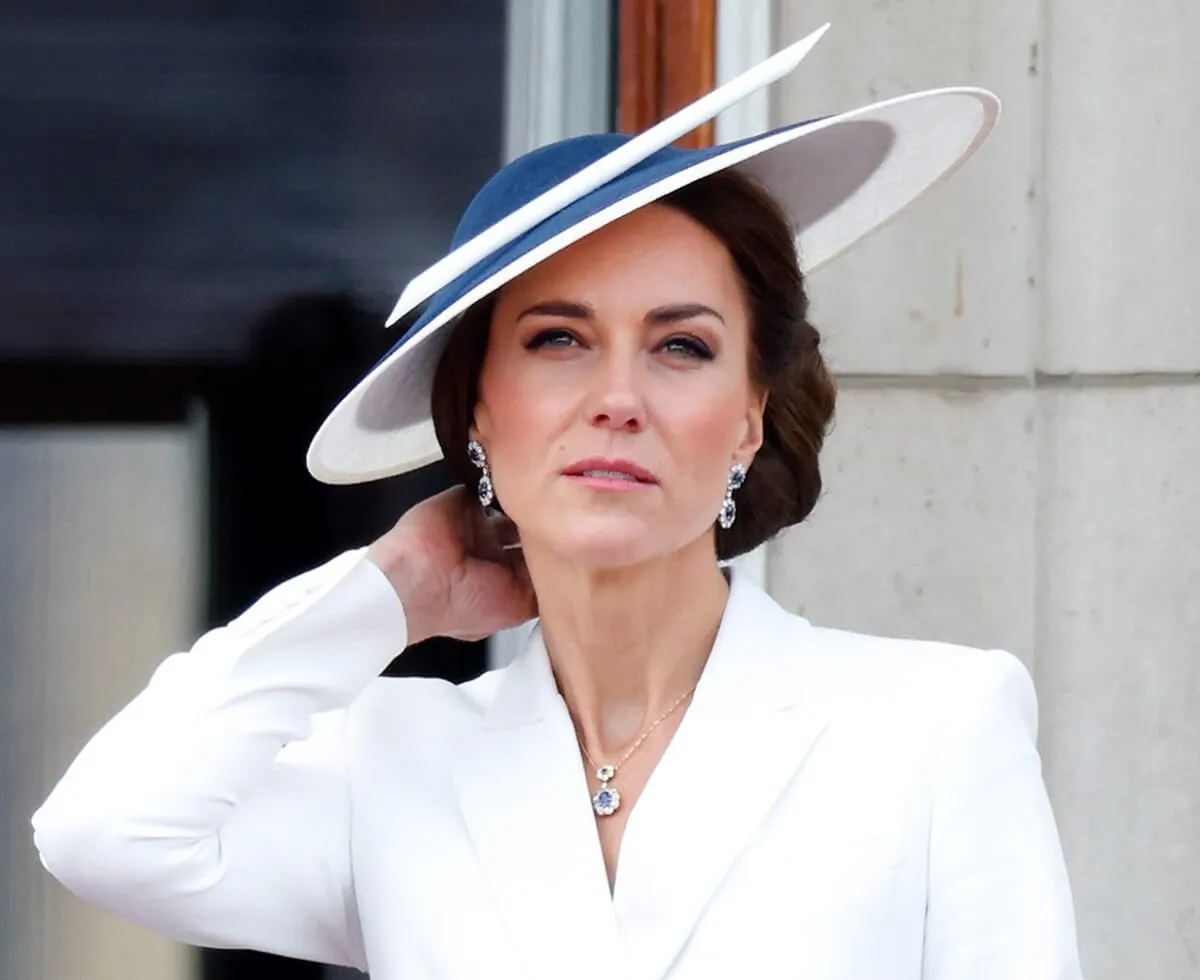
756	713
756	641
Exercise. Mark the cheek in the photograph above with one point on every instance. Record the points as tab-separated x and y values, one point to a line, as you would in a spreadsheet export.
523	412
708	424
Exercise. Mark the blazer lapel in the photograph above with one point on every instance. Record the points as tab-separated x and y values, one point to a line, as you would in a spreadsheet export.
754	718
525	801
523	794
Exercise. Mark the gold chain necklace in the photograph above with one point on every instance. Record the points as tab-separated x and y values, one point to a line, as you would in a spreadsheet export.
608	798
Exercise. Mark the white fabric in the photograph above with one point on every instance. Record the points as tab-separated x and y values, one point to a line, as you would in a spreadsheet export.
832	807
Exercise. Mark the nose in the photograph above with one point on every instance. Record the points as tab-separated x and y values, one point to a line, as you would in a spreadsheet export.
616	401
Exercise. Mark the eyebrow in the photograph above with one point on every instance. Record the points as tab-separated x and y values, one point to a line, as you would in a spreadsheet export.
673	313
557	307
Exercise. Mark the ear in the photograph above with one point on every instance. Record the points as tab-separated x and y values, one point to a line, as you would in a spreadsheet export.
752	432
481	426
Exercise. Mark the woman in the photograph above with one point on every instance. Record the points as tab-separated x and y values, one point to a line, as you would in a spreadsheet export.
677	778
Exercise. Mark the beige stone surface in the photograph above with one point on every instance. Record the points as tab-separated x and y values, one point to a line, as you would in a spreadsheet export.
1079	237
1118	668
100	579
926	524
971	303
1122	198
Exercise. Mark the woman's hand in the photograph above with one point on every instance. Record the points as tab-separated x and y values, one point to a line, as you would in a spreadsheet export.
445	559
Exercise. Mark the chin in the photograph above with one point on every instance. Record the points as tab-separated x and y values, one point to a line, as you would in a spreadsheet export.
612	542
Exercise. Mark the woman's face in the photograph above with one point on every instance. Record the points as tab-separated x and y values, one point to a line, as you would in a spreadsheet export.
616	393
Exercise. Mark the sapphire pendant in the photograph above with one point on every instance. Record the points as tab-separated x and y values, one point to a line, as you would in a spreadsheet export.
607	798
606	801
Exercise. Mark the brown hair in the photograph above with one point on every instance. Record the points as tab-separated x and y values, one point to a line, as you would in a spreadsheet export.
784	480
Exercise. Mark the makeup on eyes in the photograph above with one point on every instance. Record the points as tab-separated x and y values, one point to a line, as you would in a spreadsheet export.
562	337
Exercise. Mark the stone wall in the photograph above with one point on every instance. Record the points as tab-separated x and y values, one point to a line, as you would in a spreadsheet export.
1016	460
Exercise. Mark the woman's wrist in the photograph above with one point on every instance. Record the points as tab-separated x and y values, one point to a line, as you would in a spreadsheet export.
415	581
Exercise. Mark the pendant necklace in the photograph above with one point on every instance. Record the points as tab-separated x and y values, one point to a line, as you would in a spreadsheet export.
608	798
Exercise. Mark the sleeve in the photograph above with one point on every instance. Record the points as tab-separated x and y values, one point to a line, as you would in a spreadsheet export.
215	807
999	903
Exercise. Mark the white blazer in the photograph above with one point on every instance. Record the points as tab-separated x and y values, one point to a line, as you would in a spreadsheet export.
832	807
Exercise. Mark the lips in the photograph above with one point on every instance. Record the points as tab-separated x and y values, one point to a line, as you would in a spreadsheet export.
608	475
621	470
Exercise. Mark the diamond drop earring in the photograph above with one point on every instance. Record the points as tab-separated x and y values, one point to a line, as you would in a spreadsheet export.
737	476
477	455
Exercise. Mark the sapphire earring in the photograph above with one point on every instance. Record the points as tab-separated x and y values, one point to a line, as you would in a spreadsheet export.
477	455
728	514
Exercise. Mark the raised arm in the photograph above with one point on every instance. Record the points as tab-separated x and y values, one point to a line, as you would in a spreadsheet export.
214	808
186	813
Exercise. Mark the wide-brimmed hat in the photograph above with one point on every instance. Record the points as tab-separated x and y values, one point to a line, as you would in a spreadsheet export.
838	179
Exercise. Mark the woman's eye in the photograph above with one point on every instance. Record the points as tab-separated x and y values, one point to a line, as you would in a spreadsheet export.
552	337
689	347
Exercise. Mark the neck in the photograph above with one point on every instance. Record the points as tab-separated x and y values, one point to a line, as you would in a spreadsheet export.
626	643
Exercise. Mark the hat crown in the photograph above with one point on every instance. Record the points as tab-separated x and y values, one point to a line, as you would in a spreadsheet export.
532	174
